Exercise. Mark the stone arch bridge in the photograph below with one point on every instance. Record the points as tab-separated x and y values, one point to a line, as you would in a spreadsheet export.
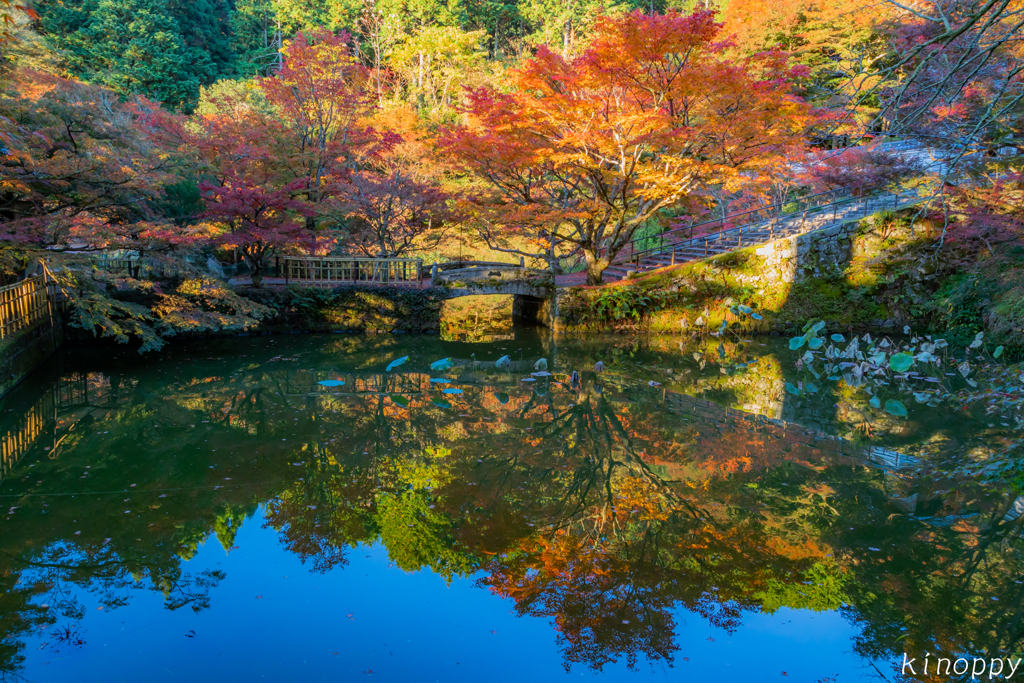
532	290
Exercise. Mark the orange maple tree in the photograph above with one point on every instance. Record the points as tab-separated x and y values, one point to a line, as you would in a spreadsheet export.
585	150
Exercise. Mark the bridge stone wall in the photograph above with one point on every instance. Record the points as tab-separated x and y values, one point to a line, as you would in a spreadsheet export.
774	264
27	350
484	280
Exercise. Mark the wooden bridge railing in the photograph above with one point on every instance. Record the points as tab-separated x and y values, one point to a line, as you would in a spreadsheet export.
307	382
459	265
331	270
25	303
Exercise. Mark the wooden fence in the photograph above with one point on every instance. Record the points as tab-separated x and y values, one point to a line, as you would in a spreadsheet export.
26	303
340	270
21	437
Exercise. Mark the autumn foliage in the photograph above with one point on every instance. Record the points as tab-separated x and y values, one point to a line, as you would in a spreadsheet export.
576	147
585	150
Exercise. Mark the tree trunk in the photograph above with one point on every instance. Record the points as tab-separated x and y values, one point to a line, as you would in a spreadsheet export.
595	268
255	269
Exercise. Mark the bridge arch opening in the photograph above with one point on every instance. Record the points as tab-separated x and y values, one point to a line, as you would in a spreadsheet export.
527	311
487	315
477	317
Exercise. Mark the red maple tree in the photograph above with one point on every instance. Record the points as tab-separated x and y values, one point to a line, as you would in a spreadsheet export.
586	150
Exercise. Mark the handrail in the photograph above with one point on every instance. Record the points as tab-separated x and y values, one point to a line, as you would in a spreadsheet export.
459	265
769	221
24	304
761	214
352	270
19	439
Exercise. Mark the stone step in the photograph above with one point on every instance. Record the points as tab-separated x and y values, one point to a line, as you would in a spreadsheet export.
754	235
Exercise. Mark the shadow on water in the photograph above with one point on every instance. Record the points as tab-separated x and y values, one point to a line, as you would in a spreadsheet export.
607	509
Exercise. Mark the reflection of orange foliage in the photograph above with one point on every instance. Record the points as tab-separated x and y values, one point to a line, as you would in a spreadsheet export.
965	526
490	402
599	615
736	450
639	500
894	585
805	549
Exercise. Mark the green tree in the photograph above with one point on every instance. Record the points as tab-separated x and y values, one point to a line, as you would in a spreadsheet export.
132	46
206	25
416	536
260	27
432	66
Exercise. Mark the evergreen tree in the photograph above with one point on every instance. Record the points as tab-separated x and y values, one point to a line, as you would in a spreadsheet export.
206	25
132	46
254	36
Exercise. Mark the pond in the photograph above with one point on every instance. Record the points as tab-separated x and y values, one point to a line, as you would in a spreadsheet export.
285	509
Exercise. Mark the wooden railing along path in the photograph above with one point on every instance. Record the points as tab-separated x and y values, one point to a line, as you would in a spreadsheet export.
25	303
768	223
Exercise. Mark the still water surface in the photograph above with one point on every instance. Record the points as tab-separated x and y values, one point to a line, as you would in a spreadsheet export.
283	509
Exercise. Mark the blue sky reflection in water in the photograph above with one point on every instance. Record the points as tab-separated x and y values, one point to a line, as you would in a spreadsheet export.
237	519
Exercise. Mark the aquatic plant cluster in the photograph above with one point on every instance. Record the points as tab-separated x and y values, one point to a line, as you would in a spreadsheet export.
929	372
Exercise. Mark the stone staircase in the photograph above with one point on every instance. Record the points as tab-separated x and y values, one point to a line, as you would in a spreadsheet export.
677	247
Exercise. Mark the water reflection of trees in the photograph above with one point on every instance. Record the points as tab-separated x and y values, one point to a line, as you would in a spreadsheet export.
587	508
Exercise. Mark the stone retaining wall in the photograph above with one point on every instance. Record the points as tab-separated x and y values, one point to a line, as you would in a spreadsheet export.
25	351
848	275
815	254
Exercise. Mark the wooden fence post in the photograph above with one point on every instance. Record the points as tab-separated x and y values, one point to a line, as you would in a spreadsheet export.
49	308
